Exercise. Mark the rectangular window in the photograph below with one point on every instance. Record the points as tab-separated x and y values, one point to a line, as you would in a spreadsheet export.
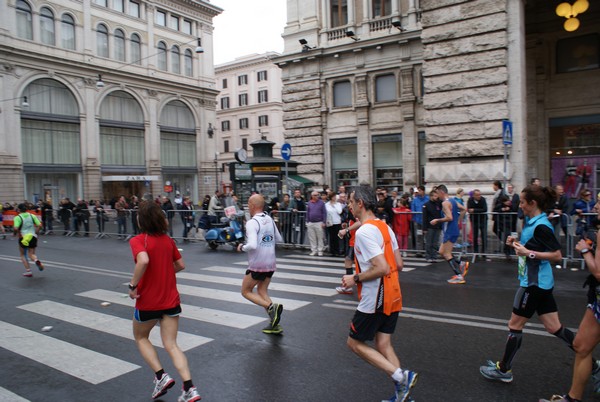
161	18
263	120
422	155
187	27
174	22
387	161
382	7
177	149
225	102
261	75
385	88
121	146
134	9
342	94
50	142
244	123
118	5
344	162
339	13
224	86
225	125
226	146
578	53
100	2
243	79
245	143
243	99
263	96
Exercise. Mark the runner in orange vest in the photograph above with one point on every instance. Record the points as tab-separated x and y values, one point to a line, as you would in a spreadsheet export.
378	260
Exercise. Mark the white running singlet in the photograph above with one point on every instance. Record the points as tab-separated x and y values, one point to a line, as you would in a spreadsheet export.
261	236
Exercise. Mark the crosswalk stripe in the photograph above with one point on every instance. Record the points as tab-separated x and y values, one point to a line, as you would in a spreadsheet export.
105	323
309	290
284	275
339	270
407	261
74	360
7	396
336	271
233	297
212	316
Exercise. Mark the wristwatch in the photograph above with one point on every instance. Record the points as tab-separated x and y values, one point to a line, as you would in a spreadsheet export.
585	250
356	279
532	255
132	287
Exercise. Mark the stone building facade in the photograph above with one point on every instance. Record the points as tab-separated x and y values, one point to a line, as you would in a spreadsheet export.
105	97
459	67
352	93
249	108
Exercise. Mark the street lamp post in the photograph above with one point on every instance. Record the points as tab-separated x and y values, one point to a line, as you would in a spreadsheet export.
217	170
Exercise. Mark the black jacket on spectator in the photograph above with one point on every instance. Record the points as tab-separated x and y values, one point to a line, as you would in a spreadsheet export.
432	210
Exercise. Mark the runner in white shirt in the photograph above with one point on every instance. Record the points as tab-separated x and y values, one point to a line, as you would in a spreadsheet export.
378	261
261	236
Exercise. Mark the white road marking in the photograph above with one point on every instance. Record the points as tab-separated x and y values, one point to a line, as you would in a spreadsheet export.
105	323
74	360
212	316
284	275
7	396
308	290
234	297
467	320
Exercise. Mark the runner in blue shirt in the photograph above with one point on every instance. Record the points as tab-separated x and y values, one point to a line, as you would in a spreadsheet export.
535	250
451	232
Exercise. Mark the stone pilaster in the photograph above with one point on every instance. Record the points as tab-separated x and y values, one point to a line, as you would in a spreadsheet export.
466	89
302	121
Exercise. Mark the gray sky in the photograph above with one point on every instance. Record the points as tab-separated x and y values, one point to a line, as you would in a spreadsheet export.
248	26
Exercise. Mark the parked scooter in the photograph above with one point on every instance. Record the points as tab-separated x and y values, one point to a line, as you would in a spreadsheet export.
229	232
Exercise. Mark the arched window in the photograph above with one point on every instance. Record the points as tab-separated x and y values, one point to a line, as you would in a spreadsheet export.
175	60
136	49
67	32
47	26
119	45
121	131
24	28
189	63
162	56
102	40
51	133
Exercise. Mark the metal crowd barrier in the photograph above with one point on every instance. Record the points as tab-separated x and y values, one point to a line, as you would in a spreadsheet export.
481	235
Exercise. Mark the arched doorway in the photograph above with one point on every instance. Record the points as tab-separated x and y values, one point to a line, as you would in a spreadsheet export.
50	138
178	150
122	147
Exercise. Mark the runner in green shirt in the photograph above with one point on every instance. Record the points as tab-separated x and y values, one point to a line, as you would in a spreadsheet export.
26	227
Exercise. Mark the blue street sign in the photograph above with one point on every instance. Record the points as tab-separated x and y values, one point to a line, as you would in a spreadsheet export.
286	151
507	132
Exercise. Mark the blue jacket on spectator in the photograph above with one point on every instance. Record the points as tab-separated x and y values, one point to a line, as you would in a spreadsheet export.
417	206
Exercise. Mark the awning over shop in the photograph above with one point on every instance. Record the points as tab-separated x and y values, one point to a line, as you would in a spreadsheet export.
130	178
298	181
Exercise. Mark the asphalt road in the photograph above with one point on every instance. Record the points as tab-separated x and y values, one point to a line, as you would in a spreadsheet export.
444	333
